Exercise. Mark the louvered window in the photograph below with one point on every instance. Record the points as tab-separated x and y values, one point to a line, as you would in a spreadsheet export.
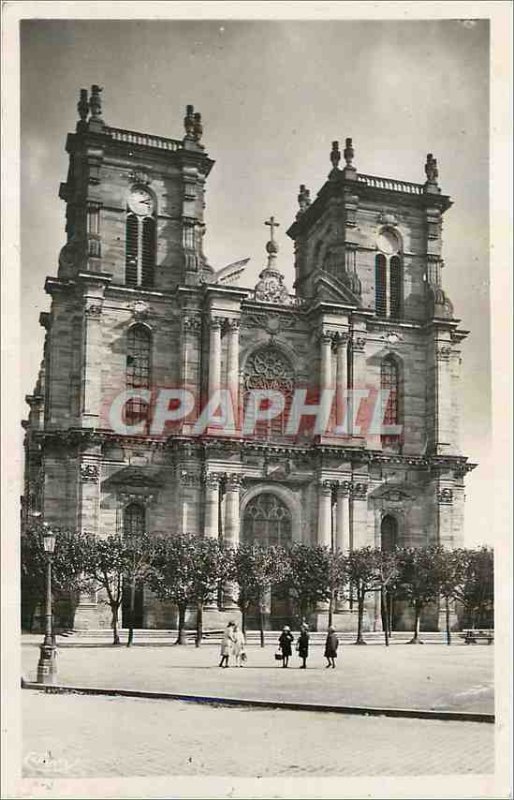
140	251
380	285
395	294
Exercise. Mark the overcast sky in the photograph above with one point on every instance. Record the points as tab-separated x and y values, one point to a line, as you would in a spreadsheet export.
273	96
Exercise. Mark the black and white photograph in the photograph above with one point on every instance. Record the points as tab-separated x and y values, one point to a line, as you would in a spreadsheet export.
256	392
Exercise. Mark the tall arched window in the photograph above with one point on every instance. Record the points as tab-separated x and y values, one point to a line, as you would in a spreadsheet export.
390	384
388	275
134	520
138	371
380	285
140	244
268	368
267	521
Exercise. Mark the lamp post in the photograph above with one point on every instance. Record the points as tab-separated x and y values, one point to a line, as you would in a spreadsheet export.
46	665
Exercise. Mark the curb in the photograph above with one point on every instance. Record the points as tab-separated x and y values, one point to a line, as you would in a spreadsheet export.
410	713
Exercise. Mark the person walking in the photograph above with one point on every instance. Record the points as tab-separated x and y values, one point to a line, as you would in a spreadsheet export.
285	641
303	645
239	646
331	645
227	644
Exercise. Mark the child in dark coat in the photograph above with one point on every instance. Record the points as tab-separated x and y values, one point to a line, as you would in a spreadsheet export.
285	640
303	645
331	645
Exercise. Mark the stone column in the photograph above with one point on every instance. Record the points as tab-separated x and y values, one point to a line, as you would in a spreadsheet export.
358	380
91	364
325	376
325	514
212	499
231	532
214	355
233	366
341	380
343	530
443	411
88	506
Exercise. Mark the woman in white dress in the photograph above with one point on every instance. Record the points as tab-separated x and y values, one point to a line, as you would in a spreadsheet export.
239	646
227	644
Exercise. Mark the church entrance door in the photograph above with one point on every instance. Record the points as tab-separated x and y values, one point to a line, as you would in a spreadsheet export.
267	521
389	541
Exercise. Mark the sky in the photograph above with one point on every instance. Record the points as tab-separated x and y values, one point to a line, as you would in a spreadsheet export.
273	96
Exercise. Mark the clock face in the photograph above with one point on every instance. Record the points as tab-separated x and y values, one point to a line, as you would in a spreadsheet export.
141	202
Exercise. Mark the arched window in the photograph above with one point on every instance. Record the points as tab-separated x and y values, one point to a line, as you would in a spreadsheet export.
380	285
267	368
395	294
267	521
140	243
388	533
388	275
390	384
138	369
134	519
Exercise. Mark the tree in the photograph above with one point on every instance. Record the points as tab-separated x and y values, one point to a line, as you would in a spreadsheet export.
68	567
172	575
364	571
307	579
419	580
336	576
475	587
117	560
209	563
387	576
450	565
256	569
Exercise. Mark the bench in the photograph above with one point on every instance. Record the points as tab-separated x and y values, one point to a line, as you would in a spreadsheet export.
473	637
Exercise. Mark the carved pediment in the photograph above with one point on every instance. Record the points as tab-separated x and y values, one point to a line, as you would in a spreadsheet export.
393	493
135	477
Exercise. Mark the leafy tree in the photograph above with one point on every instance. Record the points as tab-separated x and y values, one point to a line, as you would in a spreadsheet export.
209	564
336	577
256	569
387	577
450	566
475	587
364	572
419	580
68	566
117	560
307	579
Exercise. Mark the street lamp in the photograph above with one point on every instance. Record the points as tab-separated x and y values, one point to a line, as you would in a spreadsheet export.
46	665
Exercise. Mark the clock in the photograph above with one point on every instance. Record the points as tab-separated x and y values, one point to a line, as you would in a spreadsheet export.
141	202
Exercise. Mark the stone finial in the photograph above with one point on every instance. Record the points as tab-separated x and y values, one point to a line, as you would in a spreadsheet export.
189	122
197	127
83	105
304	199
335	155
349	154
95	103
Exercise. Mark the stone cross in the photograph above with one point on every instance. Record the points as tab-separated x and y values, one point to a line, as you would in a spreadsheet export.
272	224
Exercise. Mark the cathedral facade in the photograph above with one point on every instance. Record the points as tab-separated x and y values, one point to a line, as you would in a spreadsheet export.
138	314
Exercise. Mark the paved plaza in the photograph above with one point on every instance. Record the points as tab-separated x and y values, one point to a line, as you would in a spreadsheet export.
433	677
76	736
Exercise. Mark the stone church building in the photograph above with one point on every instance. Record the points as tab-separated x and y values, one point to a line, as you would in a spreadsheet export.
136	305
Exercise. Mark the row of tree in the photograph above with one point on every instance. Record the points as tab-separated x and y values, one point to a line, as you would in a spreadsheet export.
191	571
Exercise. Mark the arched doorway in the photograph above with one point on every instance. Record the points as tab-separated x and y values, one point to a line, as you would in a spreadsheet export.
268	521
388	543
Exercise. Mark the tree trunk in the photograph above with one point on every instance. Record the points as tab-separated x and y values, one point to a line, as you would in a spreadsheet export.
447	614
331	609
199	624
115	632
132	612
417	617
181	637
261	624
360	615
243	618
385	616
